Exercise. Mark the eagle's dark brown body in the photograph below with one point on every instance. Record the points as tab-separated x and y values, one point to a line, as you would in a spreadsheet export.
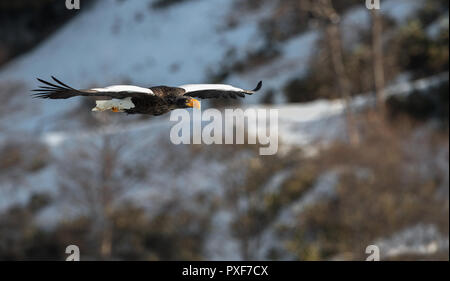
166	102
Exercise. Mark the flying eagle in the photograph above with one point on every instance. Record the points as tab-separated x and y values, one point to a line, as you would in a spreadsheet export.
138	100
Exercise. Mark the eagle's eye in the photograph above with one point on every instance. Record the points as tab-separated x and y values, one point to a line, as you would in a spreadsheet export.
187	103
182	102
193	103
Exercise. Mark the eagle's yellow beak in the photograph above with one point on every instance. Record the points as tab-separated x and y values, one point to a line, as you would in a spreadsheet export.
193	103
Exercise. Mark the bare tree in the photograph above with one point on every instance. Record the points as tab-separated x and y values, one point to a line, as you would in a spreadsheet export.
329	20
251	198
377	50
91	177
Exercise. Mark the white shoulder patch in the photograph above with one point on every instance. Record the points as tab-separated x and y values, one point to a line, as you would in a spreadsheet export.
125	88
200	87
119	104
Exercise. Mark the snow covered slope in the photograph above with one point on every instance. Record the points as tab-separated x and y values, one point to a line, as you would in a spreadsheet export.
131	42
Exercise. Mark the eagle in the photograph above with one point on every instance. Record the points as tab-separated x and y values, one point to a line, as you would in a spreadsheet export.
139	100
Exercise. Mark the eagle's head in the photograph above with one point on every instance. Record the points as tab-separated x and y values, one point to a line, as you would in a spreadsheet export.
187	102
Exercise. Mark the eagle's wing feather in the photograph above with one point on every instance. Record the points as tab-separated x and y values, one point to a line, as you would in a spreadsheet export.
63	91
210	91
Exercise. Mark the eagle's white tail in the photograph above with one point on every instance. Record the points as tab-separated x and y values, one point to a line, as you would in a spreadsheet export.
113	104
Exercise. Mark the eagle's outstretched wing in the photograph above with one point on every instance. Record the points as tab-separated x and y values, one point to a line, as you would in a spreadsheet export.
62	91
211	91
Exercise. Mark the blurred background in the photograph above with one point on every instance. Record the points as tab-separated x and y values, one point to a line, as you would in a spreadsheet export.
363	126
